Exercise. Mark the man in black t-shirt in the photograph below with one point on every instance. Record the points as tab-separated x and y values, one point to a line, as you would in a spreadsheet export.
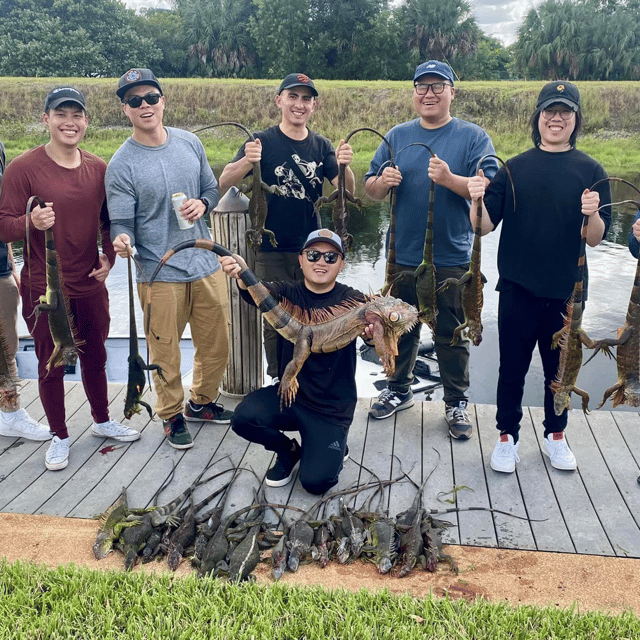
297	160
326	399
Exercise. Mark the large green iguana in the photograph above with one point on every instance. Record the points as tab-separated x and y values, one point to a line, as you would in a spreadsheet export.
320	331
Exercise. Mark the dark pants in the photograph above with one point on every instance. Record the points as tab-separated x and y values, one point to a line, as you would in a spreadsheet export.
258	419
91	318
453	361
524	321
275	266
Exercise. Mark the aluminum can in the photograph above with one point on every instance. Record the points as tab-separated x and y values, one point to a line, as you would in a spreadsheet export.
176	200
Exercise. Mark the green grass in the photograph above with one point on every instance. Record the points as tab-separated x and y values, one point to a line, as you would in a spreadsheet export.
70	602
611	127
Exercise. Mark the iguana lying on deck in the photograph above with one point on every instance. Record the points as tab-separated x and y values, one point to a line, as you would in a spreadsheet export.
321	331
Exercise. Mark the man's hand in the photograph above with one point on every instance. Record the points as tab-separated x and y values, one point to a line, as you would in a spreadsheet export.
101	273
439	171
636	230
192	209
344	153
122	245
590	202
233	266
43	217
477	185
253	151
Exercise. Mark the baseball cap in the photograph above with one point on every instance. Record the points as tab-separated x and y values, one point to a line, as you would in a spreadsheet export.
134	78
434	68
63	93
324	235
559	91
297	80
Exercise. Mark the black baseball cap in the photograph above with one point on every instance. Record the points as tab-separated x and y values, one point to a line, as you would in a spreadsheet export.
297	80
324	235
559	91
63	93
134	78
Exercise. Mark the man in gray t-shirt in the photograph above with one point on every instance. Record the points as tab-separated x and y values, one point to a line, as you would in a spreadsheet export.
151	165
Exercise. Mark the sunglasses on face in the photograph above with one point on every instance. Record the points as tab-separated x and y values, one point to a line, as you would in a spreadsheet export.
330	257
150	98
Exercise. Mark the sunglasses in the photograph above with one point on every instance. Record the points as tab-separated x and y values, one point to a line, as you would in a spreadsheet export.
150	98
330	257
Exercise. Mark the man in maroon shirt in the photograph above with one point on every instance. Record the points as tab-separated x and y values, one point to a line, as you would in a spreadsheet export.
71	183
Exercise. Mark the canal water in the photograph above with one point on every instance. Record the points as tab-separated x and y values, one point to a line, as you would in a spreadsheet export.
611	273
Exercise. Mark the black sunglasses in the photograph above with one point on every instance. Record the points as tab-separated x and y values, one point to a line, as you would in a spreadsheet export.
150	98
330	257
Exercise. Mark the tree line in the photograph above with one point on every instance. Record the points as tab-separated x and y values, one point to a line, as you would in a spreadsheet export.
330	39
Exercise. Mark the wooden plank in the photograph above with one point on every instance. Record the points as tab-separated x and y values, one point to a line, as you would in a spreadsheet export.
539	497
45	484
629	425
436	436
617	510
470	464
27	463
584	526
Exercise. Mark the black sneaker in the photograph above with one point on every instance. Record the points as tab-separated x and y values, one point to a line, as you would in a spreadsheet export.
281	472
458	420
211	412
346	454
389	402
177	434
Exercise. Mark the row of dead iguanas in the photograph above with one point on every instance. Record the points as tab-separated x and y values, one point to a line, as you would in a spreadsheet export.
232	544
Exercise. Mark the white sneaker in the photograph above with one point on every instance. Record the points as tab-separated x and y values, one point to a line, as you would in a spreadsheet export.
555	447
115	430
57	454
20	424
505	455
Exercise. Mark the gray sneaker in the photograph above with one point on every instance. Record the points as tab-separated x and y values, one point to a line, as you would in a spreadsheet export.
457	418
389	402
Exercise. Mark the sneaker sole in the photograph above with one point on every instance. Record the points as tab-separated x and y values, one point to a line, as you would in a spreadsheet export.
57	466
461	435
279	483
388	415
215	420
179	446
130	438
9	433
556	466
503	470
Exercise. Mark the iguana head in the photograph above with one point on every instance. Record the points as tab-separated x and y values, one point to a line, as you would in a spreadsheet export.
391	318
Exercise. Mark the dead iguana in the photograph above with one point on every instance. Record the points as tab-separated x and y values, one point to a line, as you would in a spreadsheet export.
9	397
258	199
318	332
137	366
54	302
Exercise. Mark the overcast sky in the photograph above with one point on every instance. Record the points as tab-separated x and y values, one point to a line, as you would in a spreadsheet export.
497	18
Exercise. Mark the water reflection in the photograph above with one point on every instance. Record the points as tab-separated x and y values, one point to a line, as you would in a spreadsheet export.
611	269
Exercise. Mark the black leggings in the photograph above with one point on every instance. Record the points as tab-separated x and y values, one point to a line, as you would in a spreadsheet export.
258	419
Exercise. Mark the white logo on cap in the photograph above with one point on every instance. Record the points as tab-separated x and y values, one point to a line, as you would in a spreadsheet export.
133	76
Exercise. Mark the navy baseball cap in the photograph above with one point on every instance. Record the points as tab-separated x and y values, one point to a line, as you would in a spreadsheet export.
324	235
134	78
559	91
434	68
297	80
63	93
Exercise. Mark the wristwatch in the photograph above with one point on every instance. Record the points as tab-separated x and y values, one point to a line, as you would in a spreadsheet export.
206	204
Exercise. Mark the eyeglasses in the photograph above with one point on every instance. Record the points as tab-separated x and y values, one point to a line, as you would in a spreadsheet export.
436	87
330	257
150	98
565	114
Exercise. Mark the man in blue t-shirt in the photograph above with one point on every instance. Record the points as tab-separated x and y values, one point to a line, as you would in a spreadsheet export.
458	146
14	421
297	160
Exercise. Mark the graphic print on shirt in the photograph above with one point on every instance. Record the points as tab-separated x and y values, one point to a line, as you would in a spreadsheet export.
288	180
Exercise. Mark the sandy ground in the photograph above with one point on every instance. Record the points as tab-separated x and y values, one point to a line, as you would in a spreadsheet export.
518	577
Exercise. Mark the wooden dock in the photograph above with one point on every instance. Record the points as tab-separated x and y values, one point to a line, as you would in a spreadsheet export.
594	510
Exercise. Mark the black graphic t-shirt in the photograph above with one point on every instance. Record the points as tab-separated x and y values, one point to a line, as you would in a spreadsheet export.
300	167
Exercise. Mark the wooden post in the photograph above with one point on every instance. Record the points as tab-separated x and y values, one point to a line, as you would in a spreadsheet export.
244	372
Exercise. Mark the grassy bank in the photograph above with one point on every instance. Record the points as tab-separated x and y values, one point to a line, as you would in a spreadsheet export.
611	129
70	602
